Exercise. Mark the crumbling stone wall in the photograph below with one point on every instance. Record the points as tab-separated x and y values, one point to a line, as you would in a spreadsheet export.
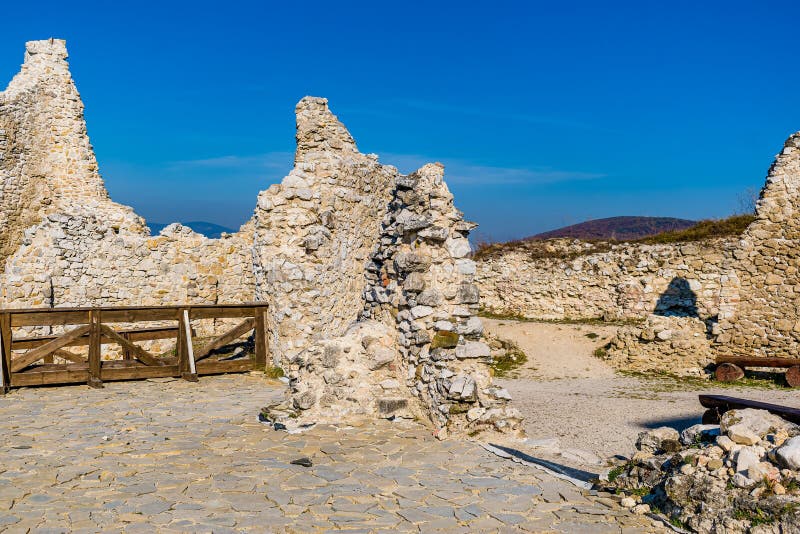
627	281
64	242
81	260
761	290
315	231
370	290
46	161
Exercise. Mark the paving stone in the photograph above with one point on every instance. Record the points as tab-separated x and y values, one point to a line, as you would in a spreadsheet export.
382	476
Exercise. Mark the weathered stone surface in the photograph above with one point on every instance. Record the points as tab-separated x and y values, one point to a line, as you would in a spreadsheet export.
63	241
708	488
756	422
789	453
652	440
390	267
758	309
570	279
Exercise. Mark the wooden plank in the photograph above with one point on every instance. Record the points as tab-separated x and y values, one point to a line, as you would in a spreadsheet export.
217	312
107	308
51	317
260	329
127	314
80	374
138	334
70	376
723	403
236	332
215	367
36	354
6	340
69	356
138	372
140	315
188	367
755	361
95	349
140	354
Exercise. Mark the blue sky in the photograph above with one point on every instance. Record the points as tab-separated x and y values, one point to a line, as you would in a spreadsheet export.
543	113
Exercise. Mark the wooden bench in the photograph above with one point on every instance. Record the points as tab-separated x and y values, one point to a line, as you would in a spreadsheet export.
719	404
731	368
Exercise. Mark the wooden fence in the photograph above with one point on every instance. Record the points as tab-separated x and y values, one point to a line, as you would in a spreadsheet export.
30	361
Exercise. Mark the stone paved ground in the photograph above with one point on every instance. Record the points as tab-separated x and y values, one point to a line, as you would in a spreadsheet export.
174	456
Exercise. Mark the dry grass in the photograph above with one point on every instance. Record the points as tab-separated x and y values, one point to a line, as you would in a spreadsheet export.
709	229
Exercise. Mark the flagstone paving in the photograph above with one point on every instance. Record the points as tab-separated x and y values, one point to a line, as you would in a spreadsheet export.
175	456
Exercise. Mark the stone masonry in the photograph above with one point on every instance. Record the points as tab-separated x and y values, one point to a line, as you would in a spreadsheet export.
571	279
761	293
370	290
64	242
371	293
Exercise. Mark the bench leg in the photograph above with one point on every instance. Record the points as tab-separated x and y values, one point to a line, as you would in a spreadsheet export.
728	372
793	376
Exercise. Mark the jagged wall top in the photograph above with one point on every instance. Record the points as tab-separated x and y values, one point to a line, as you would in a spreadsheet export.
47	164
758	314
318	130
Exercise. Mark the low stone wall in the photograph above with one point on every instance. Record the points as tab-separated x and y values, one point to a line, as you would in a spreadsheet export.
567	279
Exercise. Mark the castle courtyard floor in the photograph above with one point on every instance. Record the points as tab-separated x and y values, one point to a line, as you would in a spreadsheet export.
175	456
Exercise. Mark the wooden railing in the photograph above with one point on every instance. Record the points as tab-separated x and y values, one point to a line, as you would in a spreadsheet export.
30	361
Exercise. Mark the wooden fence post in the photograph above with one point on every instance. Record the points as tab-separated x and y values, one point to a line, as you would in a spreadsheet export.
186	363
5	353
260	363
126	352
94	349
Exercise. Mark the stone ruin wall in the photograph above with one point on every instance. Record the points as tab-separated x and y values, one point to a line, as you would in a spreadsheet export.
628	281
746	289
760	310
365	270
371	301
671	293
46	161
64	242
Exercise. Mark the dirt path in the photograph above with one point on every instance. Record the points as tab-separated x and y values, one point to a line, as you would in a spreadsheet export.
579	410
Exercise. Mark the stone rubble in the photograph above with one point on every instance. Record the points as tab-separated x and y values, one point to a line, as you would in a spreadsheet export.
739	476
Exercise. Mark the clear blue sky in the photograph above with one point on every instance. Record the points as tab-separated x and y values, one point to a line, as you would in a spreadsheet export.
544	113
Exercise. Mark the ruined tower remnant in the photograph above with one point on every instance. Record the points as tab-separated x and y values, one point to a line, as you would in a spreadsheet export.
761	291
370	289
64	242
46	161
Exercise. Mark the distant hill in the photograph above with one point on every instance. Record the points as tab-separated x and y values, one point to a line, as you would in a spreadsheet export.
201	227
618	228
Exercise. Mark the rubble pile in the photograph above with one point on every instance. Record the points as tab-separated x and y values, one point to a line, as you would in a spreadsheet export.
742	475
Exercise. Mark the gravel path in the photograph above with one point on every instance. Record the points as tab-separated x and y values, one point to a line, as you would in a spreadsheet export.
593	412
